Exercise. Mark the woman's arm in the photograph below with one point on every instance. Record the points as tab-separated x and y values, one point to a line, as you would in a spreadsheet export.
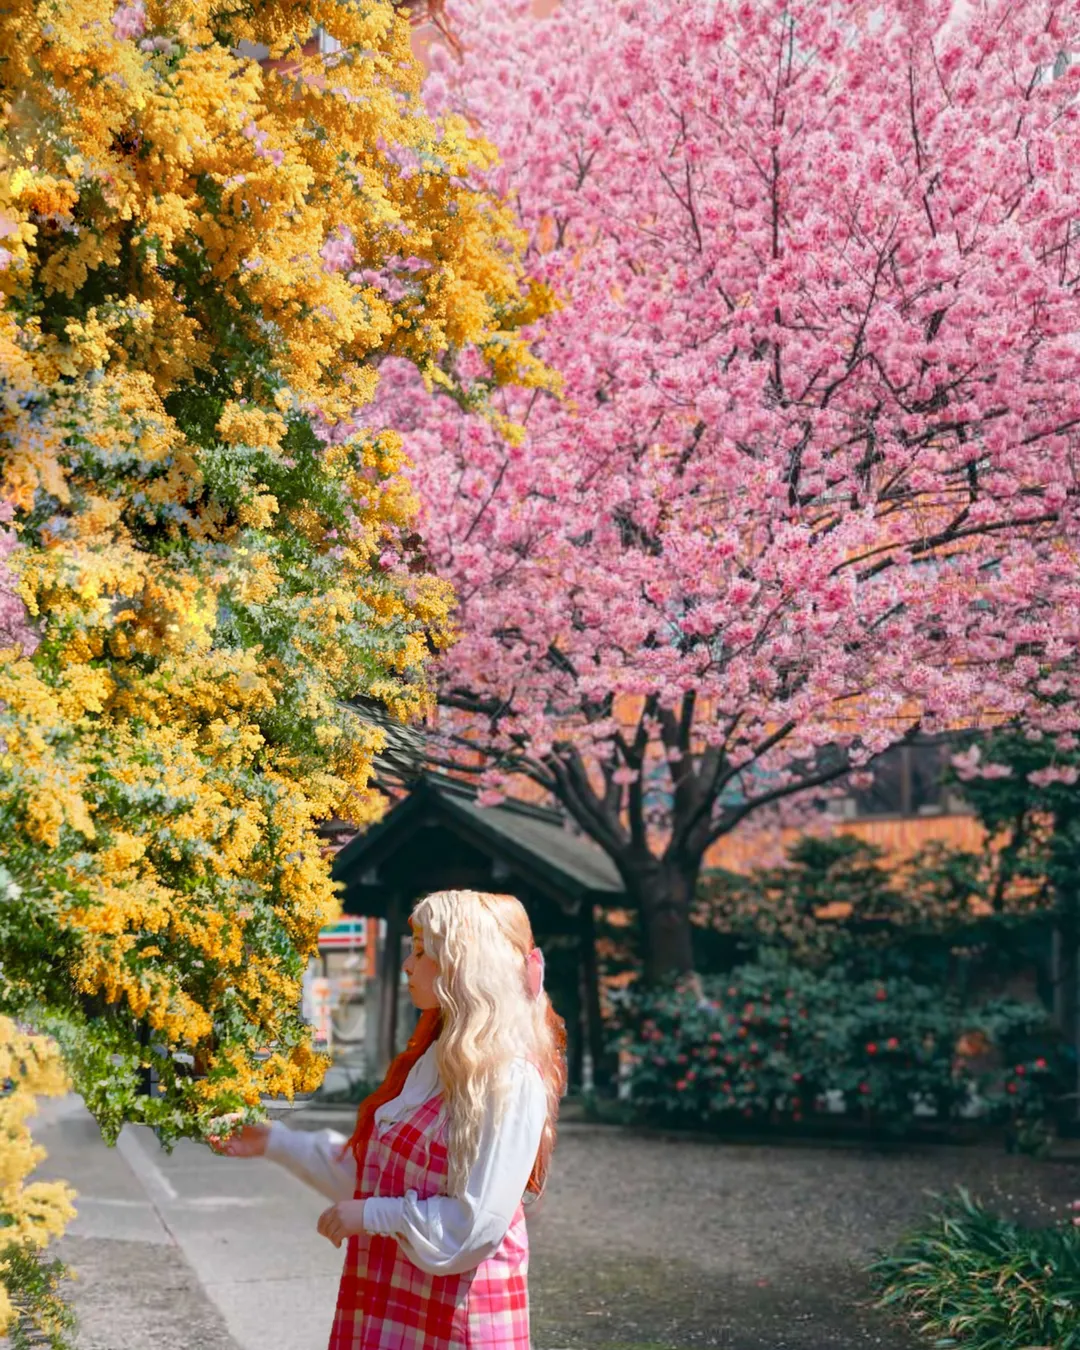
314	1156
446	1235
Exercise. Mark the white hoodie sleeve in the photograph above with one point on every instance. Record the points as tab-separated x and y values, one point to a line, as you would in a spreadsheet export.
447	1235
314	1156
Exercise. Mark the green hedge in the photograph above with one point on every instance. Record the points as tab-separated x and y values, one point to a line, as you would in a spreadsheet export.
969	1279
767	1041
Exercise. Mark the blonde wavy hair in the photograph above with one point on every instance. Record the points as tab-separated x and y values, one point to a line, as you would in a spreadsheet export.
480	943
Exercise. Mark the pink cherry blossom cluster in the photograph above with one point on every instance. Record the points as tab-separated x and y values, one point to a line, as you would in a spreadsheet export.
970	764
1066	774
388	278
8	226
259	137
338	253
403	157
129	21
15	629
812	477
166	46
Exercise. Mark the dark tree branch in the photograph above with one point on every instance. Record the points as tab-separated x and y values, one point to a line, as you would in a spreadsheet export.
573	789
729	819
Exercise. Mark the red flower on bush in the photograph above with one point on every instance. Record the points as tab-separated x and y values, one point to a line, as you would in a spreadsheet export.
680	1086
864	1088
1020	1070
880	995
892	1043
871	1048
1040	1063
1011	1087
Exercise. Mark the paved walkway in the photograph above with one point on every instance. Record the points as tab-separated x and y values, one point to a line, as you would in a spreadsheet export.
648	1242
642	1243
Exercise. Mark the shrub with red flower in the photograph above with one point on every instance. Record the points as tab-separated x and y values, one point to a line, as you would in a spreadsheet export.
886	1051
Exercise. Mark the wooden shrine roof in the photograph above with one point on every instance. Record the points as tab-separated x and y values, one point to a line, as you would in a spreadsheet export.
523	843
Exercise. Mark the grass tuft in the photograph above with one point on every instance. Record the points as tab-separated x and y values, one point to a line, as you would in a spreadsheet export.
969	1279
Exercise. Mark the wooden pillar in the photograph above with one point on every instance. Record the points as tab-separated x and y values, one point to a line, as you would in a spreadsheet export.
1065	975
1065	869
389	980
592	1022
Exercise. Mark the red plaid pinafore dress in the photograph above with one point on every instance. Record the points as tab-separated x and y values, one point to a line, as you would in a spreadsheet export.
387	1303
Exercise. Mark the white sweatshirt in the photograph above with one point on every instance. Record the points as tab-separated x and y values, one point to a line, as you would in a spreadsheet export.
443	1235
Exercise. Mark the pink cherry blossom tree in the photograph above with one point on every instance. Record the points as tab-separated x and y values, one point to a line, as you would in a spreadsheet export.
810	484
16	634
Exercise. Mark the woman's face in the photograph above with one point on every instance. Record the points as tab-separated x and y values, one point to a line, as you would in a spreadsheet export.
421	970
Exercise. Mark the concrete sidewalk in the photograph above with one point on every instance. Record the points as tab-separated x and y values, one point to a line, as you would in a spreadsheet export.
187	1251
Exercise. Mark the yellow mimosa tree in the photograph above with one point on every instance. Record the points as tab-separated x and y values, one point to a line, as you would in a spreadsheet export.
203	554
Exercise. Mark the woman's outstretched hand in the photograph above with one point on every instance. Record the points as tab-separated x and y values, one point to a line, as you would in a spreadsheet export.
344	1220
247	1142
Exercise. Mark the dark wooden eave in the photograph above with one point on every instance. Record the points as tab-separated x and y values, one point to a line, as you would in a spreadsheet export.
526	846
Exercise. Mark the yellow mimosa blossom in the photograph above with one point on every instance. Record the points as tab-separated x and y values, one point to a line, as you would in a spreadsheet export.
203	261
32	1213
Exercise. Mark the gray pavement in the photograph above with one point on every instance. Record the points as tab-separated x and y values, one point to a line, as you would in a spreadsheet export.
641	1243
187	1251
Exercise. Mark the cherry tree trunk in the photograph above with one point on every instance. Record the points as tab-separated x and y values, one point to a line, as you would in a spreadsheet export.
662	891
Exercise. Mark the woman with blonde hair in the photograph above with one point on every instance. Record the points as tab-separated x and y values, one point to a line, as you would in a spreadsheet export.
428	1191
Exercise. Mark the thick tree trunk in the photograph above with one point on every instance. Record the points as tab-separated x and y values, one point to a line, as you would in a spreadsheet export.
1065	868
663	891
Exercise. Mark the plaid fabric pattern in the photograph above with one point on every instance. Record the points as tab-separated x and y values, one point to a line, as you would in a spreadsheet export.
387	1303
